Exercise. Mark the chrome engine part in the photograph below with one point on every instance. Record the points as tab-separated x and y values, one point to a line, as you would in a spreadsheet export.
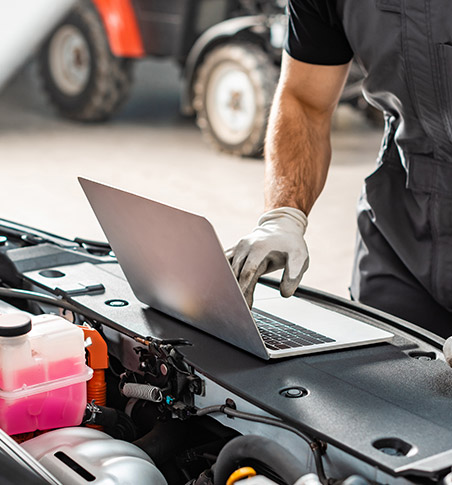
79	455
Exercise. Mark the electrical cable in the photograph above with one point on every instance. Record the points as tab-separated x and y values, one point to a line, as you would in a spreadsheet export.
313	445
18	230
172	361
252	417
35	296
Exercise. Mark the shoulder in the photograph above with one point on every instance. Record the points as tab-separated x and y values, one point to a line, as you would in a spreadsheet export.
316	34
322	10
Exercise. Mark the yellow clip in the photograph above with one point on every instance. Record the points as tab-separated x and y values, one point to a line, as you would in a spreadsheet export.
240	474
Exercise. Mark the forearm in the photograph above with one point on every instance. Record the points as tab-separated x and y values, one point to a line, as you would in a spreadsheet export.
297	153
297	157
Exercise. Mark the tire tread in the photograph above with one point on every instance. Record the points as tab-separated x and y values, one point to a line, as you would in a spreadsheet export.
110	83
263	74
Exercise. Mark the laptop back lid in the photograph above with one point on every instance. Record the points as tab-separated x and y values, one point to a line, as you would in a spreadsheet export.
174	263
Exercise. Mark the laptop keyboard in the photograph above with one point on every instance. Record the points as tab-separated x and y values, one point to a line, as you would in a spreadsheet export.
280	334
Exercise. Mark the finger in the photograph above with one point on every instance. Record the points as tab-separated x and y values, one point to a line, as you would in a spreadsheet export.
293	272
249	297
447	350
249	291
249	275
229	253
237	257
237	265
276	260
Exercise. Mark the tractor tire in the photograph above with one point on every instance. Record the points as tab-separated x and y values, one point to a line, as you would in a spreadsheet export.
81	77
233	91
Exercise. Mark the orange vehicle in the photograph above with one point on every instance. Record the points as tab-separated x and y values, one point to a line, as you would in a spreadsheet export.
228	51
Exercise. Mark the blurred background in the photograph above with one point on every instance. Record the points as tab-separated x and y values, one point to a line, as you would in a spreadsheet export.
168	100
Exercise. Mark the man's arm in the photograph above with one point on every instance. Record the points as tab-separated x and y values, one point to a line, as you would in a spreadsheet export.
298	154
298	148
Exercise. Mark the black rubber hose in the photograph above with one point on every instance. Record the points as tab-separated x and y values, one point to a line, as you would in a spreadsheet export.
34	296
355	480
40	297
313	444
165	440
263	450
116	423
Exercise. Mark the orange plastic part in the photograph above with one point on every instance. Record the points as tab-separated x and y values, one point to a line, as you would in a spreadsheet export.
240	474
97	388
98	361
121	26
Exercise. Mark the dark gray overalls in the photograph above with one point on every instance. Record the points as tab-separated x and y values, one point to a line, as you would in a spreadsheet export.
404	254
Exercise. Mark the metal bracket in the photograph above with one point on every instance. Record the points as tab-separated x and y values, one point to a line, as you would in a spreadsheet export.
83	289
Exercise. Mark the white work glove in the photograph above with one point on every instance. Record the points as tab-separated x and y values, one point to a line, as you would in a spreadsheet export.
276	243
447	351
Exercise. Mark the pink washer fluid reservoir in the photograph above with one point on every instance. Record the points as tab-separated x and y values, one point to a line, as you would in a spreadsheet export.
42	373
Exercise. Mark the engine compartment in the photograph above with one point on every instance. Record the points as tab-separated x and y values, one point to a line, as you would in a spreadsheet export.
170	404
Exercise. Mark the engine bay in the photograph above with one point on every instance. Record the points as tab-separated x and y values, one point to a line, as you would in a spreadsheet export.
115	392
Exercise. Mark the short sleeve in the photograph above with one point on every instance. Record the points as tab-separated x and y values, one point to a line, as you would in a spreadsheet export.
315	34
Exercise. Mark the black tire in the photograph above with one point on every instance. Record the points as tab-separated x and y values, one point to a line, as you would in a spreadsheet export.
106	79
258	74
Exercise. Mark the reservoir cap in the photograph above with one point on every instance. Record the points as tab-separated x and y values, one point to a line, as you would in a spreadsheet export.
14	324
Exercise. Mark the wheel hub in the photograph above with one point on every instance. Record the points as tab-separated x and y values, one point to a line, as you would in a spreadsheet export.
69	60
235	101
231	103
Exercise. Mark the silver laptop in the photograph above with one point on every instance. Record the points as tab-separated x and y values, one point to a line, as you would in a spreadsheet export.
174	263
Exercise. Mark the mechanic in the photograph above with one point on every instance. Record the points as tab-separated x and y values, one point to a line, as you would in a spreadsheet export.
403	261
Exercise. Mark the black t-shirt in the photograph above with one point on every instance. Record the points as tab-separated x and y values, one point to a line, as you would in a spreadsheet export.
315	33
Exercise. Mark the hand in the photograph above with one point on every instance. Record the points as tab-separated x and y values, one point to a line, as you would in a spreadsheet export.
447	351
276	243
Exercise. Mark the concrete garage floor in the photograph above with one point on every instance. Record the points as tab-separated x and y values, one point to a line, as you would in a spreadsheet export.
150	149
